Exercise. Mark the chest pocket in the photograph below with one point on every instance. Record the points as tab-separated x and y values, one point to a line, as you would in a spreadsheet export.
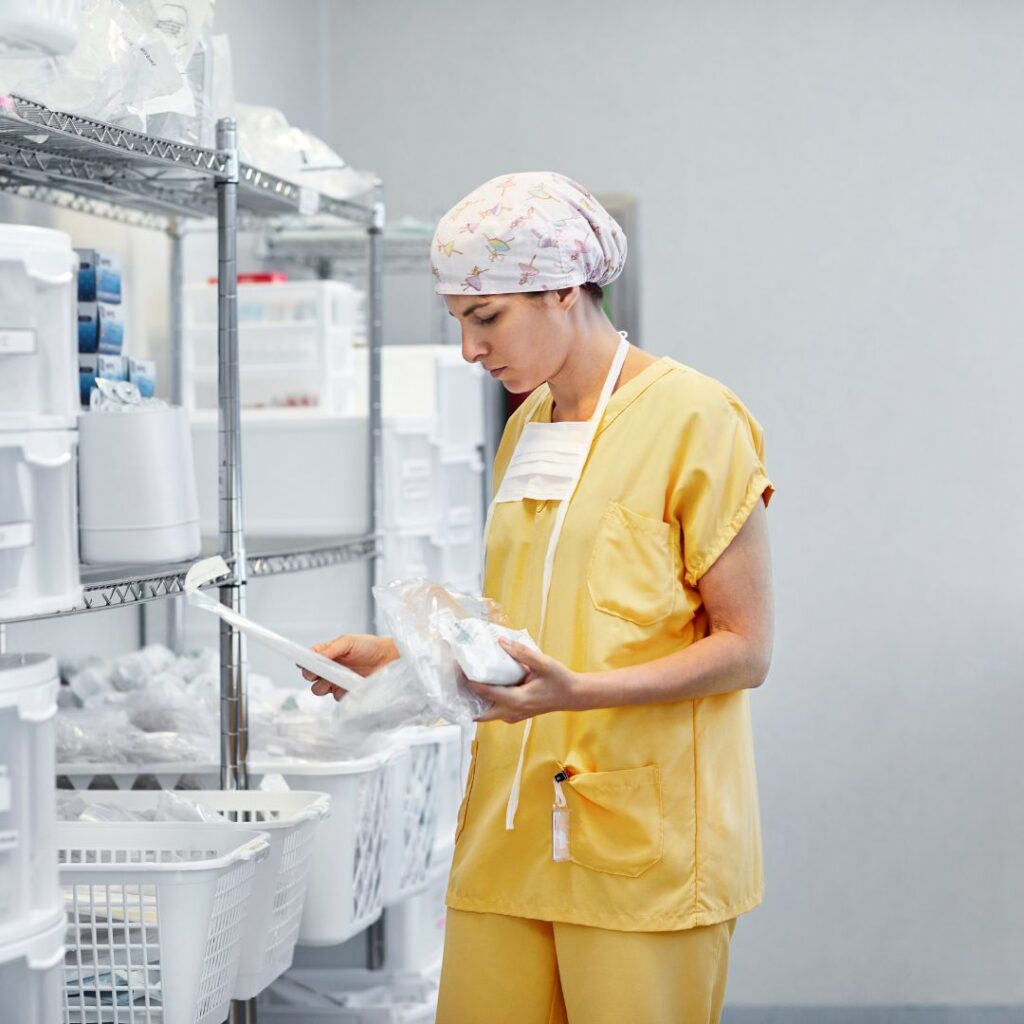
635	566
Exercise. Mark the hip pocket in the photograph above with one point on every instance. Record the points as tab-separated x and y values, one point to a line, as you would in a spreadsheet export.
616	822
635	567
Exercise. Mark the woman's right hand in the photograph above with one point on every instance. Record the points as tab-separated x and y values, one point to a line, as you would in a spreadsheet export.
363	653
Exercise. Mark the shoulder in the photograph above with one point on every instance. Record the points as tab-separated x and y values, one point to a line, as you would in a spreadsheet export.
687	389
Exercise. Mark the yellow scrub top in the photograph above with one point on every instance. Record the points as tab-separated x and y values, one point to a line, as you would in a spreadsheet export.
664	828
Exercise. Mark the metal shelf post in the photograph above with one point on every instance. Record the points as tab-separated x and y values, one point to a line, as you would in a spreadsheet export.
374	341
234	725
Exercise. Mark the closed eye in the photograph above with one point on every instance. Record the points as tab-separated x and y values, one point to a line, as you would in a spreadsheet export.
487	320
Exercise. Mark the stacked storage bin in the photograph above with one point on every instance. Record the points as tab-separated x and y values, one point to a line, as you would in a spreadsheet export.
433	467
32	917
38	422
295	341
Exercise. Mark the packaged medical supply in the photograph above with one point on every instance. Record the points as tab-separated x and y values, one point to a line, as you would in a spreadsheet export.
474	642
100	328
99	276
142	373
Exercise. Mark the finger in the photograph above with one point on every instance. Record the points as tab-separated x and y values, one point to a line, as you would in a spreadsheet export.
502	697
321	687
340	647
526	656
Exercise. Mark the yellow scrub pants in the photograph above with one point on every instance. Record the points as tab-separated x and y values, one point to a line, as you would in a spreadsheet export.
512	970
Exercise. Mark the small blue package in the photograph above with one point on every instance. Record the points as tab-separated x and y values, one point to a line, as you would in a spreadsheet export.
100	328
99	276
93	365
142	373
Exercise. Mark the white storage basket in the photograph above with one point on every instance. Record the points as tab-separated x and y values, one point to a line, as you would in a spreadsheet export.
415	776
454	766
137	487
291	820
29	892
31	973
38	332
346	866
462	490
38	523
156	917
295	343
349	996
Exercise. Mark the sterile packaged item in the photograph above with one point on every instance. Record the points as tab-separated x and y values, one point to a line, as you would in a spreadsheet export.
100	328
99	276
121	62
34	28
474	642
142	373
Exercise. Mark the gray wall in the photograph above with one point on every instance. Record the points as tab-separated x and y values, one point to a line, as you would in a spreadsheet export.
831	217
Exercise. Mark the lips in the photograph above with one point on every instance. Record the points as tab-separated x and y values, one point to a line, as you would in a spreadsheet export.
498	372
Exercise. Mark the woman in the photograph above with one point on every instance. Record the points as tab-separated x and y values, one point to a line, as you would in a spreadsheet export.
609	836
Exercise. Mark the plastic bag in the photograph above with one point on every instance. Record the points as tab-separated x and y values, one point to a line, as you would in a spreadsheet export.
119	63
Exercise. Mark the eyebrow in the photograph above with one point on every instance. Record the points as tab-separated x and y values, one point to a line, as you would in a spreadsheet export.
468	310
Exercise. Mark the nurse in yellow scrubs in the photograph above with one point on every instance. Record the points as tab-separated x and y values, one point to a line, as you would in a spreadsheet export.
609	835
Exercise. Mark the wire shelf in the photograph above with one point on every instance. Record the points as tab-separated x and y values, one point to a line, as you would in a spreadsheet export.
121	586
80	164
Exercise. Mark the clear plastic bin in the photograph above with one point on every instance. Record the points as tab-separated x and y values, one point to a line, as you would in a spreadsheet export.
155	919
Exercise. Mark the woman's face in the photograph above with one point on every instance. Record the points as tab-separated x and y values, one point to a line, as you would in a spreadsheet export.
521	340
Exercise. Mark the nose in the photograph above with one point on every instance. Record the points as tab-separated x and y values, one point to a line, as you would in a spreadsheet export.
473	350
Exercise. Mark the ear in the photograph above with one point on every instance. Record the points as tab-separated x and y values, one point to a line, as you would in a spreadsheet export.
568	297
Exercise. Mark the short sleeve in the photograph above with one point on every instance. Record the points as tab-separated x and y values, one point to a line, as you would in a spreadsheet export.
721	476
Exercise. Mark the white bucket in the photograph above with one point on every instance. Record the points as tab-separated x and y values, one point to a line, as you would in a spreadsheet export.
137	487
38	309
38	523
32	972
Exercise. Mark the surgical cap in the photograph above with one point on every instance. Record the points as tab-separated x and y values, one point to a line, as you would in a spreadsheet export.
526	232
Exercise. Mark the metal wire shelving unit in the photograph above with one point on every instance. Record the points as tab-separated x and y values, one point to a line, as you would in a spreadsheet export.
75	163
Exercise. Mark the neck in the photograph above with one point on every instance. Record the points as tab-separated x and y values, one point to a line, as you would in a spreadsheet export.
576	387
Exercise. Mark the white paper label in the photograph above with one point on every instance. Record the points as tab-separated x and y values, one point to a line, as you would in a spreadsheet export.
17	342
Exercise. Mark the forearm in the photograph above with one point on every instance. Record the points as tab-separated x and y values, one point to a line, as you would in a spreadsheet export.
719	663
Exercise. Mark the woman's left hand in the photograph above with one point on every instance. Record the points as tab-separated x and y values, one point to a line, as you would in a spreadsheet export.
548	686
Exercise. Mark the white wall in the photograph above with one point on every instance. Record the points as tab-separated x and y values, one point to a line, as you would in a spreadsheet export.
831	222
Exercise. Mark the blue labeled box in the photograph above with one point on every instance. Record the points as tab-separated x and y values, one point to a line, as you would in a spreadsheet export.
99	276
93	365
100	328
142	373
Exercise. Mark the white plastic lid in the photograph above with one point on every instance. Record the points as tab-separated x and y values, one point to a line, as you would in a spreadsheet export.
27	236
22	671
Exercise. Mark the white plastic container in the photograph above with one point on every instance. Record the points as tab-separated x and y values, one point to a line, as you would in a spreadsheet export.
291	820
304	475
454	766
414	793
295	342
410	554
31	973
349	996
29	893
411	486
137	487
457	554
414	928
38	341
171	901
31	28
38	523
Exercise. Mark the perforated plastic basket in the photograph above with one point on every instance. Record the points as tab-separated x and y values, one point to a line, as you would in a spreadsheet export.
415	775
155	919
344	891
291	820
